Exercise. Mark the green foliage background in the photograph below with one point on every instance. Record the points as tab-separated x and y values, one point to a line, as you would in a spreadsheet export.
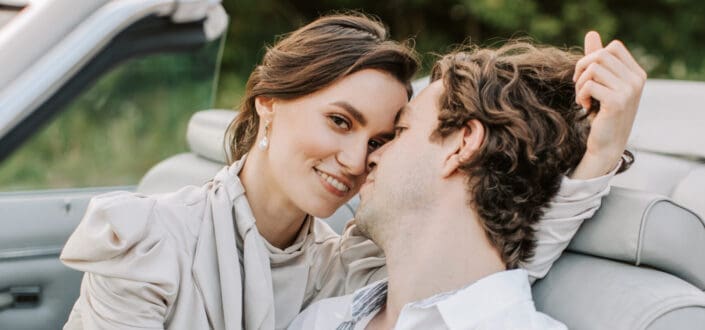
137	115
130	119
667	36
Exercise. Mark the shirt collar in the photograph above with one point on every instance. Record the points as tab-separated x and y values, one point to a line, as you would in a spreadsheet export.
465	308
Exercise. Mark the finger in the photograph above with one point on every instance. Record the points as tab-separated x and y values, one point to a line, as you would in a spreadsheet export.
584	62
618	49
592	89
593	42
608	61
601	75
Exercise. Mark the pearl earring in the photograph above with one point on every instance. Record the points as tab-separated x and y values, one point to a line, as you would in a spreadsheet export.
264	143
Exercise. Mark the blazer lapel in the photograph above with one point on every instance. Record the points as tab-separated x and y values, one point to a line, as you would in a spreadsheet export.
206	274
216	268
259	295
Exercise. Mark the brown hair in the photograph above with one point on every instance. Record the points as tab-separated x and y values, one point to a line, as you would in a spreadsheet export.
314	57
535	133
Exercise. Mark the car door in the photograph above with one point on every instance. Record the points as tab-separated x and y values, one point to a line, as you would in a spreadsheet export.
97	129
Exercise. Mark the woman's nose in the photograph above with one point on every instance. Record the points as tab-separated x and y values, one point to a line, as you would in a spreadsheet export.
373	158
354	158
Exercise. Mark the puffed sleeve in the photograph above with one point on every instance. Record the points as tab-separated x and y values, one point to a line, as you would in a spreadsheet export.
576	201
131	273
346	263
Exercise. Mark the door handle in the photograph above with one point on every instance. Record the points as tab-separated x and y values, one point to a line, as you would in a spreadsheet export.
20	297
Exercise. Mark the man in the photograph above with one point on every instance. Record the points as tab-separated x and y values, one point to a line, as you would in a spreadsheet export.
476	158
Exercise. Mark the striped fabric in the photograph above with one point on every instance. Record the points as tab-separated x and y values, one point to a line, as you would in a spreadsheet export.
365	302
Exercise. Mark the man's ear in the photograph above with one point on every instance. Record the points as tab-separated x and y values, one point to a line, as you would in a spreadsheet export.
468	141
265	107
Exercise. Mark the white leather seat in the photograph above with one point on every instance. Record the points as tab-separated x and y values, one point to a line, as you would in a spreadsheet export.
204	135
668	141
639	263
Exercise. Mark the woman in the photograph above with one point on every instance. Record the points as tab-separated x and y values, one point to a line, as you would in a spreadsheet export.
322	99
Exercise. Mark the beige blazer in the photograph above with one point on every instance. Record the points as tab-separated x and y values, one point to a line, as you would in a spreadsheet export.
189	259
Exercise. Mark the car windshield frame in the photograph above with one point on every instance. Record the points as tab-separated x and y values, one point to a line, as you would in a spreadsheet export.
150	35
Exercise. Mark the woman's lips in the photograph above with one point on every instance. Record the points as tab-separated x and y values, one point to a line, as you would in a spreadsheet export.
333	184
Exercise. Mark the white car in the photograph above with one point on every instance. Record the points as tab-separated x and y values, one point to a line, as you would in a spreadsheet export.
639	263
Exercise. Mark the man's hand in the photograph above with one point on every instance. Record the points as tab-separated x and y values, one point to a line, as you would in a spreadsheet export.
611	76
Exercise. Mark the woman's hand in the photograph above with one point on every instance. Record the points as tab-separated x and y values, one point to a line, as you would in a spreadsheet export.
611	76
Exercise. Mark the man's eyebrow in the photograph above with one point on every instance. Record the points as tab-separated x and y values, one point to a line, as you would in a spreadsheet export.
353	112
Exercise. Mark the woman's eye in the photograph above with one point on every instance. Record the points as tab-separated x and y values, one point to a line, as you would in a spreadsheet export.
374	145
340	122
398	130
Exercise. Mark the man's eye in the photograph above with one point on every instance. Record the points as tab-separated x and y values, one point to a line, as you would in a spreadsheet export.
340	122
398	130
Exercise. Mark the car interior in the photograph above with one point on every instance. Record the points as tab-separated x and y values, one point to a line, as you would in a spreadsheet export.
639	263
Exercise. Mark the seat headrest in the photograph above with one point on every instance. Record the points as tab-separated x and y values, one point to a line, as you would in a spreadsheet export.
206	132
670	119
647	229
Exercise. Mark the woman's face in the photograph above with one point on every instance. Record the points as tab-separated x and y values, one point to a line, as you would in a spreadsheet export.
319	143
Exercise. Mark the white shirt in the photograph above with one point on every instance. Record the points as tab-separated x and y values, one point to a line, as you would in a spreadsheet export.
499	301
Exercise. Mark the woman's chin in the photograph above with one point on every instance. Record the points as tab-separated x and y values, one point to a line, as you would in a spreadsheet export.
324	211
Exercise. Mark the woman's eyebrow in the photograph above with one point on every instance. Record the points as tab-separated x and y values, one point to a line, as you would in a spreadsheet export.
356	114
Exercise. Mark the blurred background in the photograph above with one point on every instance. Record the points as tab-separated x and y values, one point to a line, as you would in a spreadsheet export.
136	116
667	36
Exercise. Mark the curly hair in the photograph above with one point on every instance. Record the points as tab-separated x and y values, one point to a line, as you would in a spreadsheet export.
314	57
524	96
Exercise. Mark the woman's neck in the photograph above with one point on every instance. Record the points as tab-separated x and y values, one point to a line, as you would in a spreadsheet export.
278	220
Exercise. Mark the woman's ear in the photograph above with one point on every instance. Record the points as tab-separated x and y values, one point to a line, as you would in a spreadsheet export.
468	142
264	106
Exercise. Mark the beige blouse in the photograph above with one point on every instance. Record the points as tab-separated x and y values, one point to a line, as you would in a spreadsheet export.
193	259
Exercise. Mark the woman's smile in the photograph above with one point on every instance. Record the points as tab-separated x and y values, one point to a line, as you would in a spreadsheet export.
333	184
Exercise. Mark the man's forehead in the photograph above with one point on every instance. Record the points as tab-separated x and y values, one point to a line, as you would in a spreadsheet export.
402	113
428	99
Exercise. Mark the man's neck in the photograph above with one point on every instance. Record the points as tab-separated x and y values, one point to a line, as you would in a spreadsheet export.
452	252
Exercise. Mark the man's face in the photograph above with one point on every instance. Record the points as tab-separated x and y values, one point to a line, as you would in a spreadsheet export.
405	171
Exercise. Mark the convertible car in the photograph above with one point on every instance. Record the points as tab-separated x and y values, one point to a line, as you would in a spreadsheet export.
639	263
